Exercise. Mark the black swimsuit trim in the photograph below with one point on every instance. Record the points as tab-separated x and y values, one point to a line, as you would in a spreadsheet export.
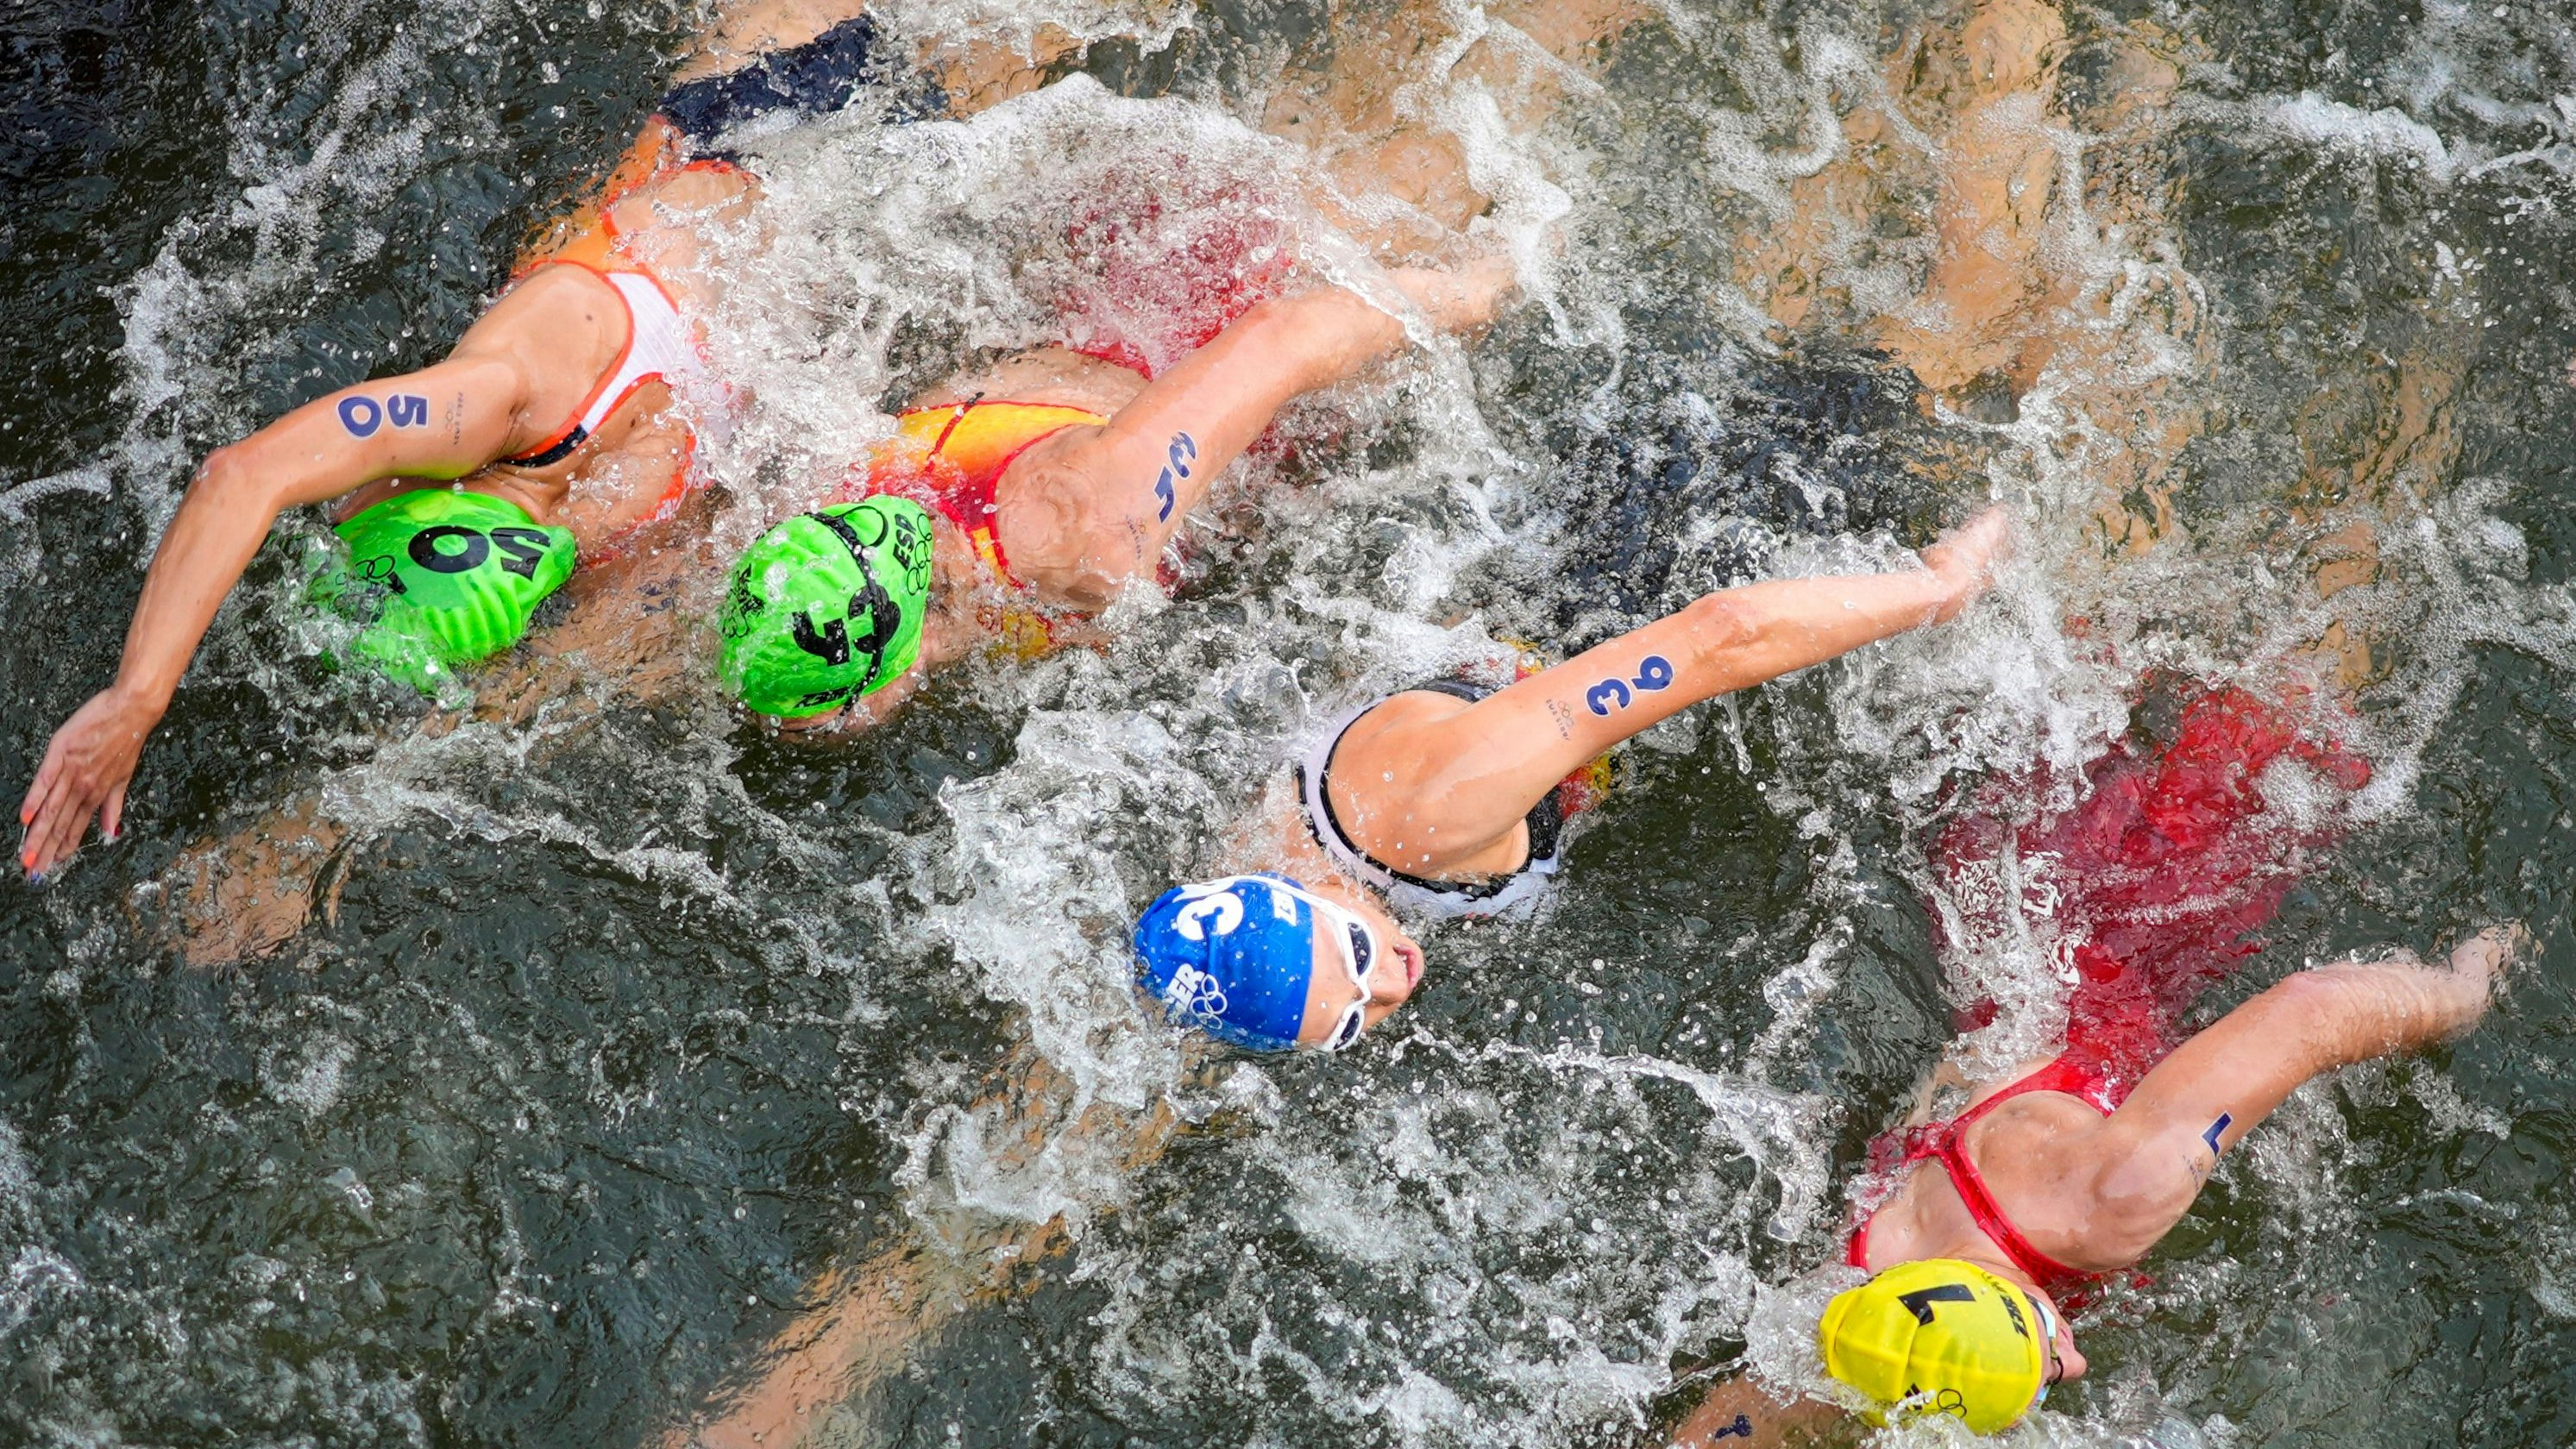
547	457
1546	819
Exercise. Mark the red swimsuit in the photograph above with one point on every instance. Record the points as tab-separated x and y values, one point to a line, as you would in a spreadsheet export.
2169	862
1945	1143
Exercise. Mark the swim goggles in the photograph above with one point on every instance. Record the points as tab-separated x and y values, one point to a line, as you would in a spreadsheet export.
1360	953
2048	1342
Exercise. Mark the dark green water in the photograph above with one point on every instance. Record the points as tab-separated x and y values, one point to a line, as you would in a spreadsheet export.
629	1027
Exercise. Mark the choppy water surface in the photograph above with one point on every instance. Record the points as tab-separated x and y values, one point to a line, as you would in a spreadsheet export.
629	1025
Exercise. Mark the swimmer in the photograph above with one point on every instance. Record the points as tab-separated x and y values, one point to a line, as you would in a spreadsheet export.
1015	500
468	492
1041	479
565	420
866	1318
1987	1231
1051	483
2059	1175
1449	800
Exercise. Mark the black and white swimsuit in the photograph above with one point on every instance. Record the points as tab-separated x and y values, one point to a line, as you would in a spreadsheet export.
1503	894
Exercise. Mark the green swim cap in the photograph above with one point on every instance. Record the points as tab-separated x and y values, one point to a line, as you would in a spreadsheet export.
442	577
827	606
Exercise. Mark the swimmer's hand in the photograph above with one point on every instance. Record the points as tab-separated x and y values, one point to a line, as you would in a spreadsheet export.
1966	558
85	771
2483	959
1460	299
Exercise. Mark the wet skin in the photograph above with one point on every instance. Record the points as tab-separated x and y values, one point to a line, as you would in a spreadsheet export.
1083	505
1441	789
2098	1193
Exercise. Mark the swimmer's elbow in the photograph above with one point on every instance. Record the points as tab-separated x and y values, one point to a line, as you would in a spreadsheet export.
1725	627
2137	1198
231	481
1320	337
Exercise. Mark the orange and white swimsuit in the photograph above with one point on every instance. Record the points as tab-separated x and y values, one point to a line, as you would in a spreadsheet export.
662	345
659	347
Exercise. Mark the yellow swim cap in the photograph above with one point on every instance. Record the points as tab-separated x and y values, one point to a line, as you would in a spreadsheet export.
1937	1336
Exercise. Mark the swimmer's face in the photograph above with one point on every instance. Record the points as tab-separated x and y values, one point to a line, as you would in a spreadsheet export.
1389	966
2065	1361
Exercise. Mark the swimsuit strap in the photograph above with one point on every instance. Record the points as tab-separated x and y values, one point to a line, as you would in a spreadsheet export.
966	448
1946	1144
1990	1218
2083	1079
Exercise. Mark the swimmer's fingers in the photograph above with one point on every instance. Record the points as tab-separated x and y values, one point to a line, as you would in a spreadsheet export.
48	777
111	818
1967	557
49	804
86	766
55	833
35	814
2491	953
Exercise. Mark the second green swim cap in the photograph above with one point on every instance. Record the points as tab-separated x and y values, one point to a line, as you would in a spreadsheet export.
827	606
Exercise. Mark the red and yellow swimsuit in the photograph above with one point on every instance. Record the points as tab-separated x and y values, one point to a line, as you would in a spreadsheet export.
950	459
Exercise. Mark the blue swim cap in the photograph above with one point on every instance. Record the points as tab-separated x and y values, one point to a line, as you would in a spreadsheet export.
1231	957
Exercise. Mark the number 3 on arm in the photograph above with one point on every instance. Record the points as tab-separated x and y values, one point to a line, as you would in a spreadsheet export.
1653	672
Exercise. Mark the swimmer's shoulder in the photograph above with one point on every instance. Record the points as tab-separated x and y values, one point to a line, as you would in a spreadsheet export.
1392	732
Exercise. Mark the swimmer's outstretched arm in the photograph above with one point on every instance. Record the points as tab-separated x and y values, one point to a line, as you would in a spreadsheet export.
2159	1147
1476	772
1154	460
443	422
